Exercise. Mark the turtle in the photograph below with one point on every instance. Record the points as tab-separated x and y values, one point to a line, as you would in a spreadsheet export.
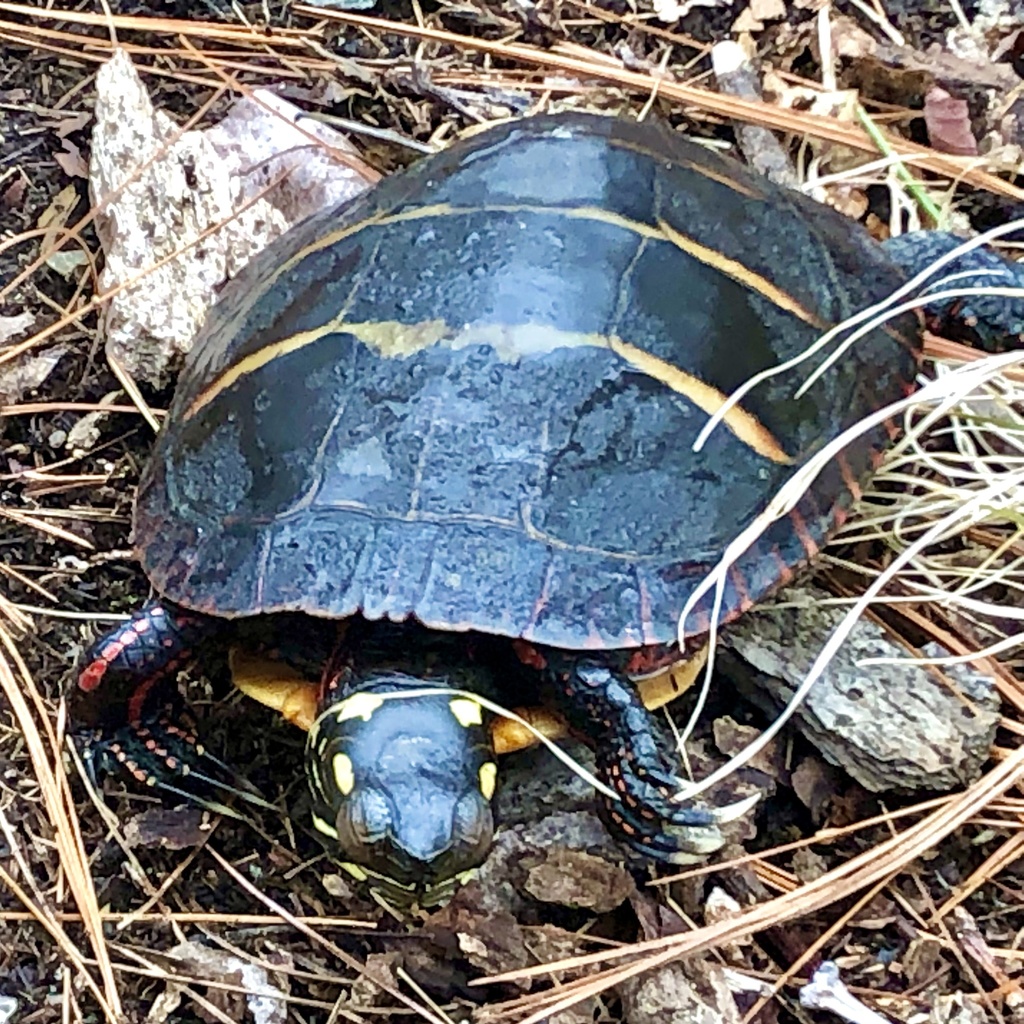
457	416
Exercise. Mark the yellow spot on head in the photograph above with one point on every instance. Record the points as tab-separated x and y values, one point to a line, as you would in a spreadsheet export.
359	705
325	827
466	711
488	778
344	776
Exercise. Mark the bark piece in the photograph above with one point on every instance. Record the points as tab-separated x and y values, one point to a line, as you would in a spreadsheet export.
889	726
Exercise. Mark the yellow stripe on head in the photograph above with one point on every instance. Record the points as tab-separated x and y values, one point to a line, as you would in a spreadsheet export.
467	712
325	827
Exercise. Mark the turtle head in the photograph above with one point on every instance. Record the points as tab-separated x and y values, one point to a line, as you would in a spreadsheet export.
403	785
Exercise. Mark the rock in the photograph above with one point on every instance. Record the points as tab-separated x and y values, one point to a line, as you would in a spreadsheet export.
696	992
891	727
179	213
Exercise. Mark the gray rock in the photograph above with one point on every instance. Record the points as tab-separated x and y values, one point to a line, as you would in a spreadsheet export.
891	727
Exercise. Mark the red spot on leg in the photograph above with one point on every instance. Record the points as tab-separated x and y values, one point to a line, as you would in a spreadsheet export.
92	675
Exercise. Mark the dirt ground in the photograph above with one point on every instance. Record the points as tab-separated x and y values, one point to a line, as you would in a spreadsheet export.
199	911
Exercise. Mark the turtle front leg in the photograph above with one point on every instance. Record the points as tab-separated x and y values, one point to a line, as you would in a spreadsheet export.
144	651
130	708
601	705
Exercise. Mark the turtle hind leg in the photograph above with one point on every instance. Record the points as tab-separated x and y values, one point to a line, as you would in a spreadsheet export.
603	707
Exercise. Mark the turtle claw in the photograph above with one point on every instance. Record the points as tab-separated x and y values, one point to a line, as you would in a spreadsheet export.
682	859
649	818
162	752
669	840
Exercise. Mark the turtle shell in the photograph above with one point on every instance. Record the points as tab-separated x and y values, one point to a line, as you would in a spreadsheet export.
470	396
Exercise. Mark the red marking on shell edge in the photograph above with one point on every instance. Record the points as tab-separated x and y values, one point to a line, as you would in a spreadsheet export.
810	545
851	481
645	660
92	675
529	655
740	585
785	572
541	603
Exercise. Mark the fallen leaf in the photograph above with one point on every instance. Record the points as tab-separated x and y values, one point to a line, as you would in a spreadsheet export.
56	215
71	161
574	878
949	123
165	828
12	326
54	219
14	195
27	373
72	123
768	10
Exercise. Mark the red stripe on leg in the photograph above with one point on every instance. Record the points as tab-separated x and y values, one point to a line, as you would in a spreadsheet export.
92	675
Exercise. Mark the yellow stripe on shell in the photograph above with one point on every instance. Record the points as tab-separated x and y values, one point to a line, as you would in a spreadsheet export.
742	275
394	340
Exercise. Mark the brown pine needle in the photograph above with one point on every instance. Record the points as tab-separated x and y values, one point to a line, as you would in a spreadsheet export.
868	868
16	682
751	111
